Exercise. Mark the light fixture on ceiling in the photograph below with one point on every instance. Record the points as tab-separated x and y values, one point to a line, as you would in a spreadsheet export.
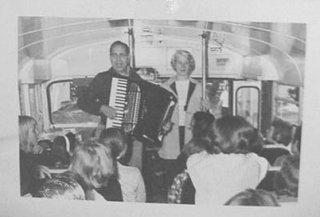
172	5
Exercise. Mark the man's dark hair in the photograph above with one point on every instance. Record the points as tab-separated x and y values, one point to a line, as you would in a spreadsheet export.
126	47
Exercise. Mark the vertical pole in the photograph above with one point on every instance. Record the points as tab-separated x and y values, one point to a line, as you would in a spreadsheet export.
205	43
131	44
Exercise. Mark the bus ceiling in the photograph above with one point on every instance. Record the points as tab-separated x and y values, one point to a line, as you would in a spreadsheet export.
52	47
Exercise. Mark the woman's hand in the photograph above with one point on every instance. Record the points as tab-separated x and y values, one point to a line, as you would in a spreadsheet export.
167	127
41	172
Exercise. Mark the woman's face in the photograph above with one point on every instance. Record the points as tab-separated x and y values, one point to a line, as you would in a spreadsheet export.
182	66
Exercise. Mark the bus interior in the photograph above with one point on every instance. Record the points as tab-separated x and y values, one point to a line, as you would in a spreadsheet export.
255	69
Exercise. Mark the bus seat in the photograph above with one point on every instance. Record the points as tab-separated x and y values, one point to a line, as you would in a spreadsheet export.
272	152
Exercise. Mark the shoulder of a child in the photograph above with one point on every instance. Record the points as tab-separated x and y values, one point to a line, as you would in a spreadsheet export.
263	162
129	169
197	158
280	160
94	195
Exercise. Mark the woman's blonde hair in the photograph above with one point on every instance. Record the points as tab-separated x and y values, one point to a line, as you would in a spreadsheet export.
26	123
187	55
94	163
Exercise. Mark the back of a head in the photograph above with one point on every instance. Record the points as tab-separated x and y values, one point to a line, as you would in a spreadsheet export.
94	163
202	123
61	187
251	197
60	150
287	180
234	134
282	132
116	140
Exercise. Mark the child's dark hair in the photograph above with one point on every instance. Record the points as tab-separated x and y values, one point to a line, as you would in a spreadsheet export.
202	124
234	134
115	139
282	131
287	180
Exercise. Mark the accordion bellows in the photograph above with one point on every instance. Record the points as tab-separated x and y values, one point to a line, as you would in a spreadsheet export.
142	108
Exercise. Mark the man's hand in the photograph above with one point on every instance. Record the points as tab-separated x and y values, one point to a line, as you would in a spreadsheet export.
108	111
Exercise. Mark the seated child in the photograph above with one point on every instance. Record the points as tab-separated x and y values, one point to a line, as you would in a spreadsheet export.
91	168
278	141
233	167
130	178
62	186
201	125
295	147
182	189
286	182
31	172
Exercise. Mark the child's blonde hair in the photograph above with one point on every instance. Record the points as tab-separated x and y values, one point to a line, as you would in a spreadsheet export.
26	124
94	163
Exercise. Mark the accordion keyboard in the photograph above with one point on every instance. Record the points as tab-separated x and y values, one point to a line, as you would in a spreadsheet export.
117	100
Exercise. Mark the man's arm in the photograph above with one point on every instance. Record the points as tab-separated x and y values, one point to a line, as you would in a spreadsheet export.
90	98
88	101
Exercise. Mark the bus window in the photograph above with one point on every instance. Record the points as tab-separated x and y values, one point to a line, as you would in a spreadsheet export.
247	104
62	103
218	96
287	103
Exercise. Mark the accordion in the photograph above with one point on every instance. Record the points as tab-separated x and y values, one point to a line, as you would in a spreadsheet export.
142	108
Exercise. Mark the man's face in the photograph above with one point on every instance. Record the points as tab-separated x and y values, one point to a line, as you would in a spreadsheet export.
120	59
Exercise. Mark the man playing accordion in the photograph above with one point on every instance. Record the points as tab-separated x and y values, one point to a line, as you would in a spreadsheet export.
96	99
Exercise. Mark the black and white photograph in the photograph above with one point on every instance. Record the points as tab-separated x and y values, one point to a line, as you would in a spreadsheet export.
192	112
158	114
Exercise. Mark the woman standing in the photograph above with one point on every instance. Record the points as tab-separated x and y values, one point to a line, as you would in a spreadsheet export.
188	93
